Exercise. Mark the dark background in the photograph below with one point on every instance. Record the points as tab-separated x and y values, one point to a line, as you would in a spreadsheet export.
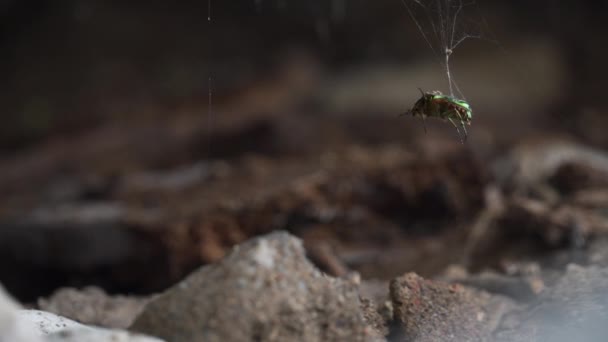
70	66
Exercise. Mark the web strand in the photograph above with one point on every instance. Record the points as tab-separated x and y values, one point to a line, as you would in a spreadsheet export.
404	2
209	89
442	17
209	116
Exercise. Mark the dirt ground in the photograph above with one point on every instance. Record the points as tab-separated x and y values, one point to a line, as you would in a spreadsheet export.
367	192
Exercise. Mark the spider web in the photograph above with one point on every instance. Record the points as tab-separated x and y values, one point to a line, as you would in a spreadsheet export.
439	24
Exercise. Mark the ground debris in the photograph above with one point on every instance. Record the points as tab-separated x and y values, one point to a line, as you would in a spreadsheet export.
398	193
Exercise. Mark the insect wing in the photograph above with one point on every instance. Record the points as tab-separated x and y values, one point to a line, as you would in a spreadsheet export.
440	106
448	107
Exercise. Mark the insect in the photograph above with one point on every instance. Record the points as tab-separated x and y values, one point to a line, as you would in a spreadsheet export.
435	104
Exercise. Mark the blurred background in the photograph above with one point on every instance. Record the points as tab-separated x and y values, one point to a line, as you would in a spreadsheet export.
142	139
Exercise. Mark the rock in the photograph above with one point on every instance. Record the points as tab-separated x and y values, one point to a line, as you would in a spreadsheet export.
598	252
373	316
264	290
574	309
515	286
44	323
48	327
374	289
92	305
427	310
97	335
18	325
11	327
377	307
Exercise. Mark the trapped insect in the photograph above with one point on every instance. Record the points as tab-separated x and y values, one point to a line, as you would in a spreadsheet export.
435	104
439	23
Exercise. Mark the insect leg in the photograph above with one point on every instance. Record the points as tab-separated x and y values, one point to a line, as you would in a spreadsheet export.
462	123
457	130
464	128
424	123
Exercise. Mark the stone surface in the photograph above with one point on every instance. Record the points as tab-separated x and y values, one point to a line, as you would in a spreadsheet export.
45	323
264	290
18	325
92	305
520	287
574	309
12	328
87	334
427	310
48	327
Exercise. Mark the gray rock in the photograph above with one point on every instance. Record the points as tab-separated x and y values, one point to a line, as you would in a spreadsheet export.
429	310
44	323
264	290
12	328
574	309
92	305
88	334
48	327
18	325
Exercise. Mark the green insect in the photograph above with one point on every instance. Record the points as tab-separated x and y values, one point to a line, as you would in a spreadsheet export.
435	104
